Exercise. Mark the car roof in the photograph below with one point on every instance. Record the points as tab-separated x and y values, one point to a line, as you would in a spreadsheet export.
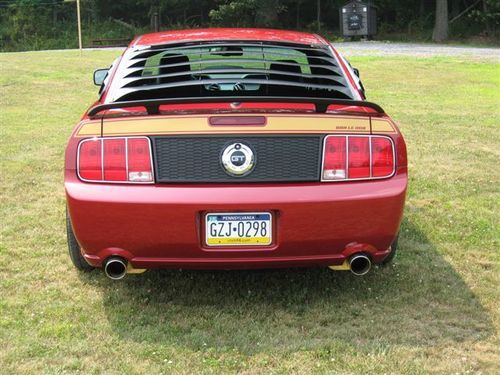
217	34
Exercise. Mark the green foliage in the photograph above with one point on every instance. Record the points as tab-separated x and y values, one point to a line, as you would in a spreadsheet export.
488	15
262	13
43	24
238	13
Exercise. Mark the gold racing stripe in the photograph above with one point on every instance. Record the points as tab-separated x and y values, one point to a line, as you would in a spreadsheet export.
382	126
199	125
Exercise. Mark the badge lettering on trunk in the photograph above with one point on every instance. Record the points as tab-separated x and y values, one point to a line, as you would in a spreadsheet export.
238	159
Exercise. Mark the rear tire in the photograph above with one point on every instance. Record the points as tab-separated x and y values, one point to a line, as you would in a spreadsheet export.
392	254
74	249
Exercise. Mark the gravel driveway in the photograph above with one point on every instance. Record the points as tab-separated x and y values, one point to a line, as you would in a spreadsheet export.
415	49
394	49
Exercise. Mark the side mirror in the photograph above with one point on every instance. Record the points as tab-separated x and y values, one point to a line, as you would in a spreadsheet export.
99	76
356	71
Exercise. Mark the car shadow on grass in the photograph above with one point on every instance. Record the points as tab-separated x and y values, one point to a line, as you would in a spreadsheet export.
419	300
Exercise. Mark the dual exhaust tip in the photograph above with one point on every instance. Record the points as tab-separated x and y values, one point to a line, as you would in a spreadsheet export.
360	264
116	268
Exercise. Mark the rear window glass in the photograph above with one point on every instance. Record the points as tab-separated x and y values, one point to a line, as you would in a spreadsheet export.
246	68
232	60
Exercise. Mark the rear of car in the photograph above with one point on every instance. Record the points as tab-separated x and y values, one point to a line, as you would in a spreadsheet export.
233	148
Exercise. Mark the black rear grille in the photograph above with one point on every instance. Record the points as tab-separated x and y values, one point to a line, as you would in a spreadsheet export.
198	158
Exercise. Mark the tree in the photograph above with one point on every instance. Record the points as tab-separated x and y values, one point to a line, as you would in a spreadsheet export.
261	13
267	12
488	15
440	33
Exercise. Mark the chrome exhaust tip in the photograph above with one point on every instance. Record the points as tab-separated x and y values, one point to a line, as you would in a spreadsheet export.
360	264
115	268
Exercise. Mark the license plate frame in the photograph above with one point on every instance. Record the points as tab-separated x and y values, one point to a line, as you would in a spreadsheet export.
238	241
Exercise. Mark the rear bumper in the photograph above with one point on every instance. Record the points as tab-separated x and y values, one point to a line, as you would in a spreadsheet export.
159	226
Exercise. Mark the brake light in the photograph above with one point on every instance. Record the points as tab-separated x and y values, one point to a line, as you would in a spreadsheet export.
383	157
115	168
90	160
359	157
353	157
120	159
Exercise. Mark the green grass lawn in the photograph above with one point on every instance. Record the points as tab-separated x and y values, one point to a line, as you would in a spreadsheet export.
436	309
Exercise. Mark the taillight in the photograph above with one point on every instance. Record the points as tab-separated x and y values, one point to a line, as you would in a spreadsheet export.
358	155
353	157
115	168
139	160
383	157
120	159
90	160
334	159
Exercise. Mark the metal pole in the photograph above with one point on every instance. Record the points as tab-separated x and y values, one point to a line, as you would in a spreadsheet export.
79	25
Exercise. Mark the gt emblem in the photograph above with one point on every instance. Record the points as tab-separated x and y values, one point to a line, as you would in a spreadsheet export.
238	159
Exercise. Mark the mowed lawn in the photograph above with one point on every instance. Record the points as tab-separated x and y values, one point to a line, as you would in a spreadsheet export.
436	309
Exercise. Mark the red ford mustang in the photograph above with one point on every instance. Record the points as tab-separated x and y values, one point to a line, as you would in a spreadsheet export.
233	148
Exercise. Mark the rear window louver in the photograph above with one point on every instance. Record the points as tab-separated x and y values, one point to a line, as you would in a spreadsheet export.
230	69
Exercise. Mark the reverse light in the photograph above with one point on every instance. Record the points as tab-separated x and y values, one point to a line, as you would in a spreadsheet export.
139	160
357	157
334	159
117	159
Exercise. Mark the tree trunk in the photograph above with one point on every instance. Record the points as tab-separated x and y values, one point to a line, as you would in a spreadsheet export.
455	8
318	15
440	33
421	10
297	21
489	28
152	10
94	11
54	14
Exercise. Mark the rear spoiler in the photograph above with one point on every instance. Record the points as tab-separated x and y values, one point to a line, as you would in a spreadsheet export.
153	105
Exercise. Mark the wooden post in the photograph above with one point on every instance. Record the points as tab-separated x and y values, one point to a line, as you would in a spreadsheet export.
156	21
79	25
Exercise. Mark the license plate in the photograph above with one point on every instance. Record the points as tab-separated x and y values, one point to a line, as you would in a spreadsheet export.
238	229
